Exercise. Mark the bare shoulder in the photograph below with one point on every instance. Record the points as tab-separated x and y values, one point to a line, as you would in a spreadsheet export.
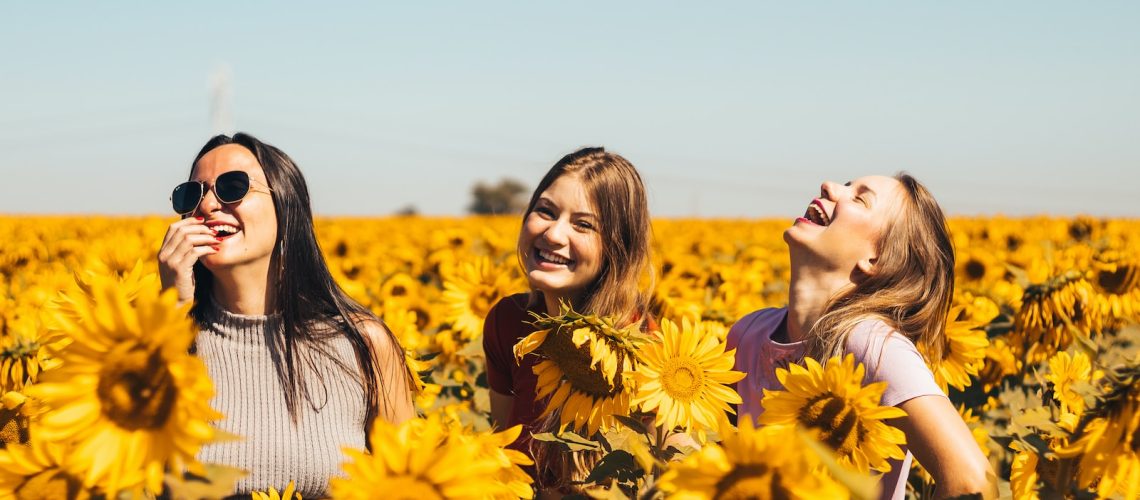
377	334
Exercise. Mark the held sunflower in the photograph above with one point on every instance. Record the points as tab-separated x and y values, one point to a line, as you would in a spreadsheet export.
834	401
586	368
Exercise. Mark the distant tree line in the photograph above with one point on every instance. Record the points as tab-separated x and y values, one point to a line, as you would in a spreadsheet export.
508	196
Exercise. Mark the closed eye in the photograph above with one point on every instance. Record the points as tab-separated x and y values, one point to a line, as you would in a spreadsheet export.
584	225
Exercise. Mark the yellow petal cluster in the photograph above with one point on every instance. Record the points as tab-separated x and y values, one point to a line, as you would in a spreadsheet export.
684	379
128	400
832	400
431	458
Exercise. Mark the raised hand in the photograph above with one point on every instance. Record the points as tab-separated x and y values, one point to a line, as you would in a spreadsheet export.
185	242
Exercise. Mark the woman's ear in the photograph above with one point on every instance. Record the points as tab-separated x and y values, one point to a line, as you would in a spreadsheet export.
867	267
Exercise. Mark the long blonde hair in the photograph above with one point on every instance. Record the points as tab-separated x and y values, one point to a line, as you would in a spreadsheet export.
618	194
911	289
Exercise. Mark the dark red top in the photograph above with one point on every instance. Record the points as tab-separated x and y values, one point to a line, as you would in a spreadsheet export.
505	326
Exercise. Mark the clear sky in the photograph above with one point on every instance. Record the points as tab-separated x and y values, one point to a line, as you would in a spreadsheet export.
727	109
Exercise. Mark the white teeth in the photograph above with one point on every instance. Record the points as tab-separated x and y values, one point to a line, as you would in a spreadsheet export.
817	215
225	228
553	258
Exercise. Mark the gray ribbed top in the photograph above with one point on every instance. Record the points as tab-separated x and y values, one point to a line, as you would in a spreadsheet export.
236	350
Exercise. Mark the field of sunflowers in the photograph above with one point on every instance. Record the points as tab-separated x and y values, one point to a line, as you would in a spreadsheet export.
99	396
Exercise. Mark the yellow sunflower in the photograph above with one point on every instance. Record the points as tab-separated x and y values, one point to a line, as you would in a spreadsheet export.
288	493
1116	278
1023	477
682	379
846	413
1109	451
1063	371
1048	313
23	351
16	414
999	363
424	459
751	463
964	352
473	289
978	267
40	469
586	368
128	394
400	289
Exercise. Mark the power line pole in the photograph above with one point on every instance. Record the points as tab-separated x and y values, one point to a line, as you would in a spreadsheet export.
221	120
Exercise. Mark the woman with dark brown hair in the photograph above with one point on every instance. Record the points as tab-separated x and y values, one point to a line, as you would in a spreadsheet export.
300	369
872	274
585	241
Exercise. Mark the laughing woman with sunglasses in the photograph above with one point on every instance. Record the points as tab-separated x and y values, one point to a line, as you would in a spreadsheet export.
300	369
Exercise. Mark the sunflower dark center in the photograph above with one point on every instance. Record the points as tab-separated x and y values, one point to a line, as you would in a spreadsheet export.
975	269
574	361
481	301
136	389
1080	229
836	420
13	426
751	481
399	291
423	317
1120	281
1013	242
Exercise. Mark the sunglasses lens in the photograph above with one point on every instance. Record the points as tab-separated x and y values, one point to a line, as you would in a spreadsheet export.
232	186
185	197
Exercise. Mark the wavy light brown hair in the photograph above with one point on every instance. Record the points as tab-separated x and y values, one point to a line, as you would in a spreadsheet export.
622	288
912	287
618	195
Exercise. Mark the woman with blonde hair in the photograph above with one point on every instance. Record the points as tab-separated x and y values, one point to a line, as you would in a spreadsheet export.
872	274
585	241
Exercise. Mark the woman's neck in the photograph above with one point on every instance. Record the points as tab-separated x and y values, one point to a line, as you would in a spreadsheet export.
809	292
245	291
554	303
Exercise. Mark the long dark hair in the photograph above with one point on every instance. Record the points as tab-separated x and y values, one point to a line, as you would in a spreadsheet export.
311	304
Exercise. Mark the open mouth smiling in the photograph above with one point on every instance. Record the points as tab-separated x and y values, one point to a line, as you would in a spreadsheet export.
816	214
223	230
544	256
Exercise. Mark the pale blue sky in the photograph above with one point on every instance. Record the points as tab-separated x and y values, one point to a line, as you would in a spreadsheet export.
727	109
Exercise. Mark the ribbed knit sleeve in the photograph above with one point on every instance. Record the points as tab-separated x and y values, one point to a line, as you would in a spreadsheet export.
236	351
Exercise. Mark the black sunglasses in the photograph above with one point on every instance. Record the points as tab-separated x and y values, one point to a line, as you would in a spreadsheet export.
230	187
